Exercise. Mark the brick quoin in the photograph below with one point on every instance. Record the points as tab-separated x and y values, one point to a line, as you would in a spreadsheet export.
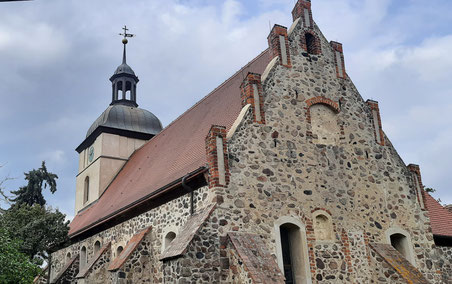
416	171
346	250
247	95
337	47
275	46
298	12
212	156
374	107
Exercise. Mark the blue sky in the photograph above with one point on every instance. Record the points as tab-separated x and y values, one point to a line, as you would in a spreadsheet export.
57	57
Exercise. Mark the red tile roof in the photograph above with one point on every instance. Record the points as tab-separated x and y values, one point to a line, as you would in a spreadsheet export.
177	150
440	217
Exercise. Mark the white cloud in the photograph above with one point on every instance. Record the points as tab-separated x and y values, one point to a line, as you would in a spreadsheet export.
55	157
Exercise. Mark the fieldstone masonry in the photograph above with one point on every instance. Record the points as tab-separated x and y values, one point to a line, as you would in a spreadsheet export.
316	147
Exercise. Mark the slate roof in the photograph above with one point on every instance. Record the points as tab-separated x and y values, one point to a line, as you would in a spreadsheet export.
128	118
177	150
440	217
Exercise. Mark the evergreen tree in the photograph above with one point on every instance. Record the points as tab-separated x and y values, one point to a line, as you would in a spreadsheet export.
37	180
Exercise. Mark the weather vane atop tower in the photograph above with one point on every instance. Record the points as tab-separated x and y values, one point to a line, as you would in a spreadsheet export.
125	35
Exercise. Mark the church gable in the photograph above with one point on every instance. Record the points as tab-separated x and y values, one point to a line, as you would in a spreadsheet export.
284	173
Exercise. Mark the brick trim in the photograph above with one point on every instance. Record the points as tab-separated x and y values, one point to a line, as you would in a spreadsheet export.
374	107
337	47
275	46
212	156
317	47
322	100
416	173
248	95
346	250
298	12
333	224
366	242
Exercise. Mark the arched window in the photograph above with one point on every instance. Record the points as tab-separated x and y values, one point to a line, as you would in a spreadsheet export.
118	90
86	191
169	237
323	226
119	249
96	246
324	123
311	44
128	95
68	257
401	241
292	250
83	259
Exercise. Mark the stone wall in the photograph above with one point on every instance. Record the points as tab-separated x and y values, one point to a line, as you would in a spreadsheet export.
98	273
365	186
141	266
201	261
442	260
169	216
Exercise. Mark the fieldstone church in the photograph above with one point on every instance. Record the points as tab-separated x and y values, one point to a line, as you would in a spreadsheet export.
282	174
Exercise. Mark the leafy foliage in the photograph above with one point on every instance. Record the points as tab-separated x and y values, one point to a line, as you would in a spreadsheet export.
15	267
41	229
430	190
32	192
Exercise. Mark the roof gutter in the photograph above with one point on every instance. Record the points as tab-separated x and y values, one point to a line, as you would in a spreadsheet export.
152	195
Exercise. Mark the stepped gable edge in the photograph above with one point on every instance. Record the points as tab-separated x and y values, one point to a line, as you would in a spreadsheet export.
177	150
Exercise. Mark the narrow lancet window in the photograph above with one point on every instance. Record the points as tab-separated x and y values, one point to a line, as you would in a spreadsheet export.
86	191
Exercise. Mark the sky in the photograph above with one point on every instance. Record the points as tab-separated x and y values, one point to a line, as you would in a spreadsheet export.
57	56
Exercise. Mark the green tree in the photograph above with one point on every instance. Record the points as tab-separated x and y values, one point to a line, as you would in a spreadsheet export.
15	267
430	190
41	230
37	180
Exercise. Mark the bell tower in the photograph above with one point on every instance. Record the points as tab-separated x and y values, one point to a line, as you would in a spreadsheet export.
124	81
120	130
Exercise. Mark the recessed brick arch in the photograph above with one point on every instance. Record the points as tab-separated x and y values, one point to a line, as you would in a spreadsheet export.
334	107
310	43
322	100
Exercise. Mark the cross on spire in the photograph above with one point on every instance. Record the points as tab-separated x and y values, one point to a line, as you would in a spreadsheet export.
125	41
125	34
